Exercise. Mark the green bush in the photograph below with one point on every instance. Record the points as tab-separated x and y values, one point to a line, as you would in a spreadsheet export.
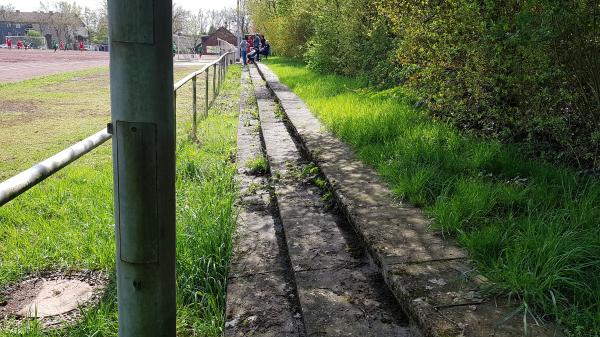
522	71
285	23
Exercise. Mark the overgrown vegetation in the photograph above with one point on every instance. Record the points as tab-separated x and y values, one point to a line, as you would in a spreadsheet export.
66	222
530	227
523	72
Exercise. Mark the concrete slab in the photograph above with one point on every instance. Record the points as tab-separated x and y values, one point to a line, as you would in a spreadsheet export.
316	243
262	305
256	247
497	319
447	283
349	302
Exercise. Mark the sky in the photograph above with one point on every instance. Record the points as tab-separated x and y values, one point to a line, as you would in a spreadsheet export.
193	5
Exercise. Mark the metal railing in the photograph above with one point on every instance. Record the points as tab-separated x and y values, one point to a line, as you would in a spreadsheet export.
223	63
16	185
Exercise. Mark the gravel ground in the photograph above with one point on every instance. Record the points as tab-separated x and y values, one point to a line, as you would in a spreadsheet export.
17	65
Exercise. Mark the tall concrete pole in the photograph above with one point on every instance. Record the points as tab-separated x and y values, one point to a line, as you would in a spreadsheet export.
141	82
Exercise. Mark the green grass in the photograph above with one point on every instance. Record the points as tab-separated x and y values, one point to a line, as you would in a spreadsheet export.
257	165
531	228
42	116
66	222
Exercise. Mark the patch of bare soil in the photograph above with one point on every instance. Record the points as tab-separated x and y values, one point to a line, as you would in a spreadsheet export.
53	298
18	105
14	112
80	81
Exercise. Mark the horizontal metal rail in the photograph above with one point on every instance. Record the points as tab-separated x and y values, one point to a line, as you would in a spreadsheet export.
16	185
223	63
181	82
23	181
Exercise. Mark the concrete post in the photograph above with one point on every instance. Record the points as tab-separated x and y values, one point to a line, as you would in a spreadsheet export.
142	103
194	108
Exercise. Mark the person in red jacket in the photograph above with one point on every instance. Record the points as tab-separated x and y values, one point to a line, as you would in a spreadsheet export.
61	45
250	49
81	47
9	43
20	44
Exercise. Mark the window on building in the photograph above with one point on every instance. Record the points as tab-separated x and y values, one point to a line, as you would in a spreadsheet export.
18	25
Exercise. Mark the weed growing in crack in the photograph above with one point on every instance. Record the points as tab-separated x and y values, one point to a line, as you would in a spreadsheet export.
279	113
312	173
257	165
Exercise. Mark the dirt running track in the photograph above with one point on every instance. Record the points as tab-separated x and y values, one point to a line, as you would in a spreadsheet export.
17	65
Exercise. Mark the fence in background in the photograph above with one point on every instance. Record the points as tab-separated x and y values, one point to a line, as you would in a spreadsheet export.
16	185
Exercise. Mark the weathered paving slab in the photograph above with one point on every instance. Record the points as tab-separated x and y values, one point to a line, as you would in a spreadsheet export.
261	297
341	293
429	276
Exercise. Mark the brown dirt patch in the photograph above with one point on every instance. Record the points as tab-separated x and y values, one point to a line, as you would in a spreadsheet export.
19	105
14	298
14	112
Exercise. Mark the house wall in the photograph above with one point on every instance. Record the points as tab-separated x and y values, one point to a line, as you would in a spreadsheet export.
213	39
11	29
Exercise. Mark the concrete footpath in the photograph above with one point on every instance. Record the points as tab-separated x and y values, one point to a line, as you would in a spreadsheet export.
339	291
430	277
261	295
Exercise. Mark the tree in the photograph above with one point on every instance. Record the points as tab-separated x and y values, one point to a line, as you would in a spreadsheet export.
180	17
243	16
7	12
101	33
90	19
195	26
62	17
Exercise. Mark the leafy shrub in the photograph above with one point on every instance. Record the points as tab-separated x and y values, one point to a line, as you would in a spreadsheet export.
525	72
522	71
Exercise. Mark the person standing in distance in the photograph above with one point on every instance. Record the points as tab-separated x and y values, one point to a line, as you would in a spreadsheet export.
257	46
244	51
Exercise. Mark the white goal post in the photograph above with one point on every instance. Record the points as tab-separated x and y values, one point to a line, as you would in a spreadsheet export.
184	47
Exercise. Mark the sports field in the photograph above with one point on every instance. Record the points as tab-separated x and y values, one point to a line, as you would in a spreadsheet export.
18	65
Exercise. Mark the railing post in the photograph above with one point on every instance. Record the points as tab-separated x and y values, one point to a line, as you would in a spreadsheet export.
220	65
143	120
206	95
214	80
194	107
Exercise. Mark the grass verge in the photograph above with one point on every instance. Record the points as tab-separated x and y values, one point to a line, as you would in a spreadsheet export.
66	222
530	227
